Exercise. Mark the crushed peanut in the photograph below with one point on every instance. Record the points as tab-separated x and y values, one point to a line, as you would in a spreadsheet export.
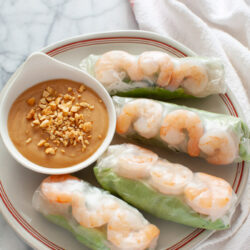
41	143
51	151
59	116
28	140
50	90
31	114
81	89
46	93
87	127
31	101
36	122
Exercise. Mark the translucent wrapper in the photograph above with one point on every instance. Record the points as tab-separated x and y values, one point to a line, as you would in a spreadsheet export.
62	214
211	122
142	194
148	87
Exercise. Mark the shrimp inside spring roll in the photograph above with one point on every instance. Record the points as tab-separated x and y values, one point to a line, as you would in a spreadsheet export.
121	225
205	194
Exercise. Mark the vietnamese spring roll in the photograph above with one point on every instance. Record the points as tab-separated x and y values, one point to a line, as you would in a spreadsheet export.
156	75
167	190
96	218
218	138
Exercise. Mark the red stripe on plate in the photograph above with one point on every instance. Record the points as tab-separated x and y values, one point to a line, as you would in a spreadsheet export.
181	244
116	42
227	103
175	246
118	38
24	223
242	170
237	170
74	46
226	95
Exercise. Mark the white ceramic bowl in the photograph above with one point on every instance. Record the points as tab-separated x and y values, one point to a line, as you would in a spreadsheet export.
38	68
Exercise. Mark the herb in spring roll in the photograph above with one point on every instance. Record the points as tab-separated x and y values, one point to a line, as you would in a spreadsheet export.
96	218
220	139
156	74
167	190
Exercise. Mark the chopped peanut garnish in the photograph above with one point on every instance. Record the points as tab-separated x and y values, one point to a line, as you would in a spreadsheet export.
43	101
50	99
75	108
28	140
87	127
50	90
31	114
84	104
59	116
58	100
81	89
44	124
52	105
67	97
31	101
83	147
42	106
51	151
41	143
45	93
36	122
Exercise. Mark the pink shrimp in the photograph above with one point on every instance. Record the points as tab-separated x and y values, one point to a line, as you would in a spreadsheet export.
219	147
174	126
156	62
59	188
193	78
208	195
144	114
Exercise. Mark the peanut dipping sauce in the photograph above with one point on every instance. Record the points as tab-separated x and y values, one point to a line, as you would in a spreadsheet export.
35	140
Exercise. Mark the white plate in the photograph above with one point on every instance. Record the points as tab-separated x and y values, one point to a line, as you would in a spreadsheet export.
18	184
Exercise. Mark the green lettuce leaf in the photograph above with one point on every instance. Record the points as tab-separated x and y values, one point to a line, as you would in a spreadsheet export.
92	238
163	206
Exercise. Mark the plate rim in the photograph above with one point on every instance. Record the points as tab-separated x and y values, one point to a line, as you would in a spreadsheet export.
26	236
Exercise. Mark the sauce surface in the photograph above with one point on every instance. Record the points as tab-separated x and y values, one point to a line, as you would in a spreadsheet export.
26	136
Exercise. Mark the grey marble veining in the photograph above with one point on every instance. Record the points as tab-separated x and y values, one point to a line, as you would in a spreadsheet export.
28	25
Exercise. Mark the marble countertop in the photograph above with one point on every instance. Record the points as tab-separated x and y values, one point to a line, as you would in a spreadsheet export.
28	25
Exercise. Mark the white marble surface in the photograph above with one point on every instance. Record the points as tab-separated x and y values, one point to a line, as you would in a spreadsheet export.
28	25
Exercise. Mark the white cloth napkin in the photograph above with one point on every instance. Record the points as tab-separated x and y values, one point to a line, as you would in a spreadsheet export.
211	28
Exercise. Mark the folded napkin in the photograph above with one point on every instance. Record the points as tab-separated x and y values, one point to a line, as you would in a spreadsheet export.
211	28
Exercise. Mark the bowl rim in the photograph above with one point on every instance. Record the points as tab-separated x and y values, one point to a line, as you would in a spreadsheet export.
12	149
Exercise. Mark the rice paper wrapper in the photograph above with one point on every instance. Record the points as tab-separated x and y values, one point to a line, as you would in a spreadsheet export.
148	88
210	121
142	195
61	214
